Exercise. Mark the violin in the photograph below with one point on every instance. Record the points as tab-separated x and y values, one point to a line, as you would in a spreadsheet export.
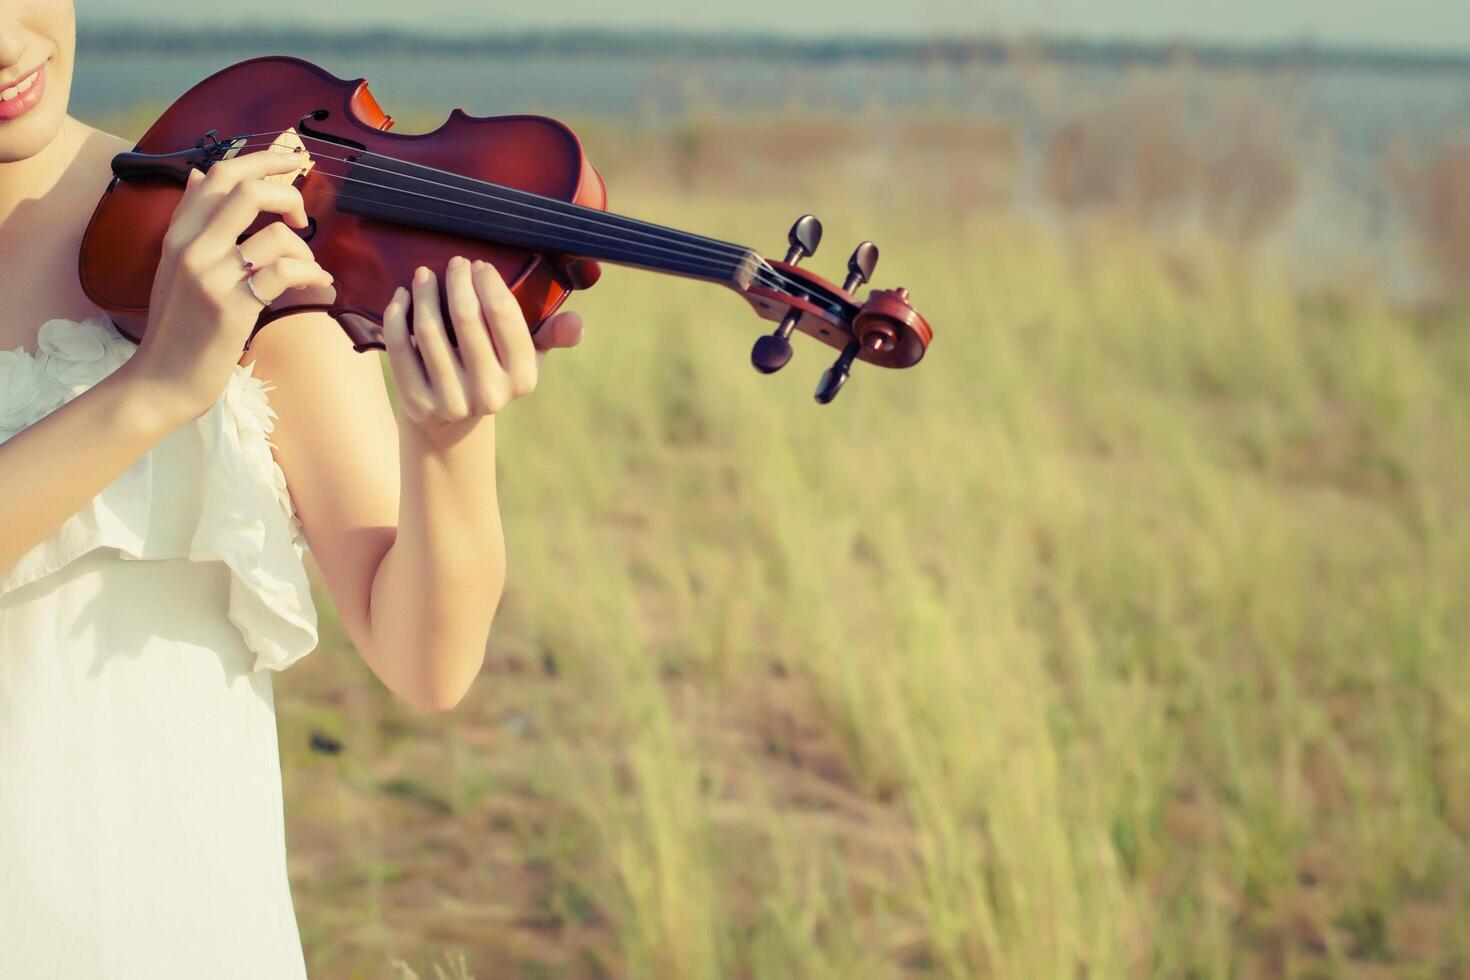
515	191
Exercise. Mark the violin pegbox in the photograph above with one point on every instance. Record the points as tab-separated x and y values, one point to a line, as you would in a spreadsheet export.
881	328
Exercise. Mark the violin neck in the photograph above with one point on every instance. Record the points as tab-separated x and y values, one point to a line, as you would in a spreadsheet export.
423	197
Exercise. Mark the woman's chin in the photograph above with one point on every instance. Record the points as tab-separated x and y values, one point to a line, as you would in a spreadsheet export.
23	138
33	130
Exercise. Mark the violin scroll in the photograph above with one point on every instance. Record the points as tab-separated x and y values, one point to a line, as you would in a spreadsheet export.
886	312
883	329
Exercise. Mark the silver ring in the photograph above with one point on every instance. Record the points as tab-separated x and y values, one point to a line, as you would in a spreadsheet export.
249	266
250	282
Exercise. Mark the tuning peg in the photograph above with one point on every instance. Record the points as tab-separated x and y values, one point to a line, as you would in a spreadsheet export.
836	376
804	237
772	351
860	267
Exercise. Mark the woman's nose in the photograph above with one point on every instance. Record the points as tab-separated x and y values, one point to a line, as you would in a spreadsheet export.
12	42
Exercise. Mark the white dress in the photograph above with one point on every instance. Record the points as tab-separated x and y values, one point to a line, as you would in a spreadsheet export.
141	826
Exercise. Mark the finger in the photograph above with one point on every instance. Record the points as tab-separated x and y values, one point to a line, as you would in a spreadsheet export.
412	384
561	330
275	241
288	273
485	380
224	176
191	185
440	363
184	223
238	209
508	330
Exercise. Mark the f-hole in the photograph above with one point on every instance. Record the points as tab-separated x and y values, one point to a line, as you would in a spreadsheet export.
302	126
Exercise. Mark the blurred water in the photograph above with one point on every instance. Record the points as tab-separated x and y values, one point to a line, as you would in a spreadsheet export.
617	87
1364	107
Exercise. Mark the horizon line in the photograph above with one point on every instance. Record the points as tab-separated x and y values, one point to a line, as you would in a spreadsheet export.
772	45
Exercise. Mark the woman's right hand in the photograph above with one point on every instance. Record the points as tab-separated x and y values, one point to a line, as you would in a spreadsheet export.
202	310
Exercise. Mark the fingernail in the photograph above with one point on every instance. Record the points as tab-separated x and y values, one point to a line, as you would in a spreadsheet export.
421	274
477	265
457	261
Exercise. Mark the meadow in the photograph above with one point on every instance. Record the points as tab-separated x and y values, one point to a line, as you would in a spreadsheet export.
1122	637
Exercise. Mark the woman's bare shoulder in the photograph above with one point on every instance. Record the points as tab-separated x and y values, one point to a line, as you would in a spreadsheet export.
96	148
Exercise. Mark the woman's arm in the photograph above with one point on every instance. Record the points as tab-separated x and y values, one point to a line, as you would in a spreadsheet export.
413	563
200	313
51	469
436	591
402	515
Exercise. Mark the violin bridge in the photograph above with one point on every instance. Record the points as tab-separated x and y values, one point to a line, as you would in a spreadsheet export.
288	141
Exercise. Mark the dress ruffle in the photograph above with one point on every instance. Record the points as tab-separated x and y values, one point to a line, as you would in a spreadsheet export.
245	519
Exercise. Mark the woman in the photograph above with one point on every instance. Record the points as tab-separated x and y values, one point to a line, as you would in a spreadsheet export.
150	559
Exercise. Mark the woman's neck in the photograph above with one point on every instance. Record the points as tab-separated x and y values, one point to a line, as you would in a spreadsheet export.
37	175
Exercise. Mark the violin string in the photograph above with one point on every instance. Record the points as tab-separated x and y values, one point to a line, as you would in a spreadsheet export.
570	210
680	260
677	257
698	242
689	266
765	273
679	263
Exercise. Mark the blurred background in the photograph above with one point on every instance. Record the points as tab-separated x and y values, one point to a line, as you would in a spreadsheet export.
1125	636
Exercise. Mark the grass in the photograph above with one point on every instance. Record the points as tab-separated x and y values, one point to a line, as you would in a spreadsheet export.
1122	637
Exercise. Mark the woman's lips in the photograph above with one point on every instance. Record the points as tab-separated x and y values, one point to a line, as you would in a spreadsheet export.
18	99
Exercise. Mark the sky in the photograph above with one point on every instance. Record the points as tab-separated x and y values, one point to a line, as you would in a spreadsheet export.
1429	24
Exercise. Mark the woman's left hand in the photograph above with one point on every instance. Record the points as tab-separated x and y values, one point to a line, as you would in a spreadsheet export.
441	386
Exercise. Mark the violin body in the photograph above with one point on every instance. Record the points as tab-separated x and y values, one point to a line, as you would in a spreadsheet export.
515	191
124	241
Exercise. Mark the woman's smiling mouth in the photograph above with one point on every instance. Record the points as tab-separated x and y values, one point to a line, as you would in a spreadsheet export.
21	97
